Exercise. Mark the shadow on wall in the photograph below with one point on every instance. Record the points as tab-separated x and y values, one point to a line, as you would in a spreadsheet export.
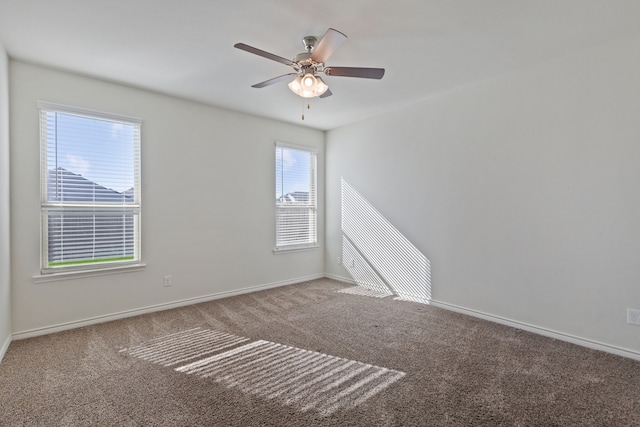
377	255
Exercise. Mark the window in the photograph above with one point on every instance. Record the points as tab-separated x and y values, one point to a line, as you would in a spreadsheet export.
90	189
296	206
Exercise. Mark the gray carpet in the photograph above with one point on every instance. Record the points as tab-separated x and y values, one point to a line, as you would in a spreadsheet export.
306	355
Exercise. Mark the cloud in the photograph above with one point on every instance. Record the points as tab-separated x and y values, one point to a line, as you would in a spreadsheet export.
288	160
78	164
116	129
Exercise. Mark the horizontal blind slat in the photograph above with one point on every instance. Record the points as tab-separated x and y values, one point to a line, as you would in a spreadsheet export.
295	195
90	173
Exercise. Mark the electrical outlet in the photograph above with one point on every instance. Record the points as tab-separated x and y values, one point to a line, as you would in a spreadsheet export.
353	263
168	281
339	260
633	316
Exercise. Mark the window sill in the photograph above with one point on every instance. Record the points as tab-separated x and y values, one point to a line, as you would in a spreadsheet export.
289	249
80	274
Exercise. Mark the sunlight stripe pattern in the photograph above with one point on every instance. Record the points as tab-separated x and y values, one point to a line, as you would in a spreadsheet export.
305	379
359	290
379	254
183	346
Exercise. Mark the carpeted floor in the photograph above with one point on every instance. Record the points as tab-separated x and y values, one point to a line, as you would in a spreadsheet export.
306	355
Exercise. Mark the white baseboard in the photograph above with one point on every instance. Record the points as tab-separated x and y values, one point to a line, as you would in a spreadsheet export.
5	347
175	304
631	354
150	309
341	279
594	345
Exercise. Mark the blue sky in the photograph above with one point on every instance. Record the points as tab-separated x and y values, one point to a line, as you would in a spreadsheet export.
99	150
294	171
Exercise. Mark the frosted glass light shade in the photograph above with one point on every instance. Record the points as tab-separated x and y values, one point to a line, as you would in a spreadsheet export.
308	86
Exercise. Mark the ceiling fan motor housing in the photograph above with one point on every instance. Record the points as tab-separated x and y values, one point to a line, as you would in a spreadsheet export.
304	59
309	42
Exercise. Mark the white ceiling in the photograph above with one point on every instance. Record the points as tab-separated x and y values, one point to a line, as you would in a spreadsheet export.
185	47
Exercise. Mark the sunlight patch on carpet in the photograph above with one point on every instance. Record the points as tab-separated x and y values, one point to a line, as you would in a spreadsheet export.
412	299
359	290
183	346
304	379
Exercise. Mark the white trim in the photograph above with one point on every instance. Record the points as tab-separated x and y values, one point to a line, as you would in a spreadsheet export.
95	207
583	342
631	354
294	248
80	274
296	147
412	298
86	112
594	345
341	279
5	347
153	308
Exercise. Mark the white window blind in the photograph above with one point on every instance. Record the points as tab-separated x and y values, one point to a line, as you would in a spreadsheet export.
296	200
90	187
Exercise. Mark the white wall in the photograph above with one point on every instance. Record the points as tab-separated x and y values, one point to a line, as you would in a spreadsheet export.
5	271
207	198
521	191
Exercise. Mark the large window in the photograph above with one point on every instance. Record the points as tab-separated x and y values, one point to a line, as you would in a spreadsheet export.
90	187
296	206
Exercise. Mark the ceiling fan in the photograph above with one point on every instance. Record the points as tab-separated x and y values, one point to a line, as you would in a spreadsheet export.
307	65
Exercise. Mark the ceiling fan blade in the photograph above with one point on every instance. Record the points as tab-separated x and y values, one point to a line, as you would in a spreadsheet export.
331	40
326	94
365	73
273	80
262	53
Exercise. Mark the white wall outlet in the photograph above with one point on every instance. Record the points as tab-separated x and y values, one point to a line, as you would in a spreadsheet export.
168	281
339	260
633	316
353	263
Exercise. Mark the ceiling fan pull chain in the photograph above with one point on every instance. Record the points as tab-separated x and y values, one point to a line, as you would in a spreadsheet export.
308	108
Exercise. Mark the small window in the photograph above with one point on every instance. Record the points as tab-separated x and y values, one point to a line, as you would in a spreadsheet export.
90	189
296	205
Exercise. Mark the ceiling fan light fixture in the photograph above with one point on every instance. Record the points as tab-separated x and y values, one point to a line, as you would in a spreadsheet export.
321	86
308	86
309	81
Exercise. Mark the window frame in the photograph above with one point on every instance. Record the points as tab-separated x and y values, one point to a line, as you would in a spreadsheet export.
133	208
312	206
